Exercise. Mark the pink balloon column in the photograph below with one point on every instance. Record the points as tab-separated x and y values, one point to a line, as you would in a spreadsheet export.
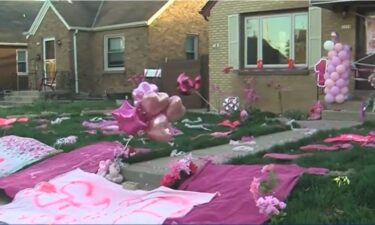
153	113
337	72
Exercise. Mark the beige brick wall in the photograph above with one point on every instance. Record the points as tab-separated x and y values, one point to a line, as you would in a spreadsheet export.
301	89
136	50
168	32
51	26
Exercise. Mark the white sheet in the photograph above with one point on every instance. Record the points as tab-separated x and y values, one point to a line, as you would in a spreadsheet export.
84	198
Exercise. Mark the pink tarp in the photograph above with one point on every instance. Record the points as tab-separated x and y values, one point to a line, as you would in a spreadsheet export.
284	156
86	158
78	197
234	203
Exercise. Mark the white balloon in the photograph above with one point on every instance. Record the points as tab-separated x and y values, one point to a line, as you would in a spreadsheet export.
328	45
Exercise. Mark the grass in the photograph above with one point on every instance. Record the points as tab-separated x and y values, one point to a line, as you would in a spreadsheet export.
317	199
192	139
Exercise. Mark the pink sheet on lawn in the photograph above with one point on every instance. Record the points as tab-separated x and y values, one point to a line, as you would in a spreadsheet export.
234	203
78	197
319	147
87	158
284	156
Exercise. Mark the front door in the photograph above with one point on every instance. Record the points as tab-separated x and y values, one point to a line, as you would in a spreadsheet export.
365	54
49	60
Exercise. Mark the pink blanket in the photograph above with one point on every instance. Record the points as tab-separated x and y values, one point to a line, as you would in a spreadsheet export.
234	203
18	152
78	197
87	158
284	156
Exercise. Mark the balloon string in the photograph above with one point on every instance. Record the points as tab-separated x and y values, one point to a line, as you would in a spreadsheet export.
205	100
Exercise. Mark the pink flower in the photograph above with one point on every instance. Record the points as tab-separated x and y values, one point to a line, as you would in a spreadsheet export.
270	205
254	187
267	168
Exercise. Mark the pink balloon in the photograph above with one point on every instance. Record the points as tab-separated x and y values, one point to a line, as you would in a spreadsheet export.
335	61
331	68
340	69
347	48
128	118
334	91
142	89
329	83
340	83
343	55
326	76
327	90
338	47
344	90
175	109
329	98
154	103
346	63
334	76
160	129
345	75
332	54
340	98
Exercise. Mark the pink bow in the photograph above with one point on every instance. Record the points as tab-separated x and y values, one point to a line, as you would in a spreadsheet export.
185	84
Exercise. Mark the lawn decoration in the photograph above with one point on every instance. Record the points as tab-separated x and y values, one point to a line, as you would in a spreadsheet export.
338	70
152	113
66	141
231	104
179	170
316	111
187	86
6	122
321	147
244	115
370	138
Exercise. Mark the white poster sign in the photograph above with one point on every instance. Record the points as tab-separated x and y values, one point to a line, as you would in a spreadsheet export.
152	73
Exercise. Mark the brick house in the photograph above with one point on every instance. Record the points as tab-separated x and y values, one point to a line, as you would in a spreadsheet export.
15	18
94	46
241	33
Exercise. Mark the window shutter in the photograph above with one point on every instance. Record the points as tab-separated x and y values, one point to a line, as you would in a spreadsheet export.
315	35
233	41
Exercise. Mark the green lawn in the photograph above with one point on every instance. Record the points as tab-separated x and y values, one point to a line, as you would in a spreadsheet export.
192	139
319	200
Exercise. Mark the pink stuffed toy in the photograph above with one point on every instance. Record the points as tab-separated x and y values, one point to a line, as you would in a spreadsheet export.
316	111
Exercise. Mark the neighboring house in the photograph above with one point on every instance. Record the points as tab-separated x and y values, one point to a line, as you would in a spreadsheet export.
261	39
15	18
95	46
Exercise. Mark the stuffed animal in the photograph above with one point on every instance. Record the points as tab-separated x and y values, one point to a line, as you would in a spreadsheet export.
316	111
103	167
114	173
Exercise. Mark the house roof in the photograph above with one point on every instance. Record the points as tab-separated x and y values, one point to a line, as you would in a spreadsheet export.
91	14
16	17
206	10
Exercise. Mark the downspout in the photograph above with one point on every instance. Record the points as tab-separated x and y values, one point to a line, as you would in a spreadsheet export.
75	61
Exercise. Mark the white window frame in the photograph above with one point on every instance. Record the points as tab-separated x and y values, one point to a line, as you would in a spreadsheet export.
106	38
196	45
26	62
260	38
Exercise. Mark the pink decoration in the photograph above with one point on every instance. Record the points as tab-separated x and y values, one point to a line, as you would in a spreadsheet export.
334	90
160	129
344	90
340	69
340	98
347	48
329	98
320	71
335	61
284	156
343	55
228	123
220	134
330	68
351	137
320	147
316	111
185	85
332	54
340	83
334	76
338	47
270	205
154	103
128	118
327	90
244	115
142	89
329	83
175	109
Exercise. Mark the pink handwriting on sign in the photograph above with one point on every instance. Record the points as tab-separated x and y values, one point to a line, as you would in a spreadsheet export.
71	197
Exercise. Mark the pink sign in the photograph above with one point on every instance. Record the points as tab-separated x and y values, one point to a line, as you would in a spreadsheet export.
320	70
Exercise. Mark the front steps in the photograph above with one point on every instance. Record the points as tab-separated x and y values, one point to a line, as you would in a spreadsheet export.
348	111
19	98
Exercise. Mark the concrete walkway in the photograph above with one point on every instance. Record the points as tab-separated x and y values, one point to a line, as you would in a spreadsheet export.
149	173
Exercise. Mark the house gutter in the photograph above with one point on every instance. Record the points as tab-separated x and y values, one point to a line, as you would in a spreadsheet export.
75	61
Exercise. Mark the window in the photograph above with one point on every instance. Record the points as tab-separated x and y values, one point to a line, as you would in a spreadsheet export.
191	47
275	39
114	52
21	62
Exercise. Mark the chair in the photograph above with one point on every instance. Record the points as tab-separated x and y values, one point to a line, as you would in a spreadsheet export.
48	80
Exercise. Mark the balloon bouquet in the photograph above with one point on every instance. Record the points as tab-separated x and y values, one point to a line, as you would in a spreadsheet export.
152	113
338	70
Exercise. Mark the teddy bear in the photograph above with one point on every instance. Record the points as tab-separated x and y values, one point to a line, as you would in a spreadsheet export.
114	173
